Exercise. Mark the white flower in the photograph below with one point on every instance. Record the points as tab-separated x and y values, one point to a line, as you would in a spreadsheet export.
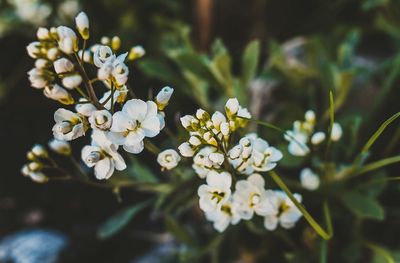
72	81
86	109
168	159
69	125
318	138
33	49
119	96
101	120
186	150
136	52
32	170
224	216
309	116
101	55
251	197
39	78
137	120
188	121
67	42
286	213
63	65
60	147
163	97
206	160
254	154
297	143
232	107
87	55
120	71
309	179
336	132
216	192
56	92
82	24
42	33
103	155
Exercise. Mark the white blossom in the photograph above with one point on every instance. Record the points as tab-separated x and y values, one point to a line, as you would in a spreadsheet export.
86	109
42	33
52	53
168	159
103	156
251	197
224	216
38	77
136	120
101	55
69	125
136	52
33	49
39	151
63	65
41	63
286	213
60	147
309	179
216	192
101	120
68	42
232	106
120	70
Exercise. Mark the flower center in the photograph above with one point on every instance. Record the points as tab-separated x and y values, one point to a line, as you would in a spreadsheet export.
227	209
94	157
65	127
217	195
254	199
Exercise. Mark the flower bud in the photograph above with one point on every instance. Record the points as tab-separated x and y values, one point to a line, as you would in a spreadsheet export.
194	140
63	65
232	107
136	52
41	63
33	49
235	152
337	132
82	24
224	127
60	147
202	115
115	43
25	170
186	121
43	33
217	118
39	151
105	40
318	137
163	97
56	92
72	81
217	158
310	116
86	109
52	53
168	159
87	56
68	42
186	150
34	166
39	177
309	179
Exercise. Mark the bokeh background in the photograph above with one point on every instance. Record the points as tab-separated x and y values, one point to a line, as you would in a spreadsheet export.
369	29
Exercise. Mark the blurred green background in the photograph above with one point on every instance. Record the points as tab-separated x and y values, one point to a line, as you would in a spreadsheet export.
306	49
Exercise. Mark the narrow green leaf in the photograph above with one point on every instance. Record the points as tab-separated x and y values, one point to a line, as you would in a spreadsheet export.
117	222
363	206
375	136
179	231
324	234
380	252
250	60
331	121
141	173
376	165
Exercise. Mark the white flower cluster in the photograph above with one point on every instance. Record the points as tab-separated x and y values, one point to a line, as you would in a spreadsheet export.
303	133
60	70
216	160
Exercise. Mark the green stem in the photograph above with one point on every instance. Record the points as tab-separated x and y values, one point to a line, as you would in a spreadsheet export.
324	234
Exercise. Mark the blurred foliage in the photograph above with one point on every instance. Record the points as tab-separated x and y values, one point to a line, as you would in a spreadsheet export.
279	69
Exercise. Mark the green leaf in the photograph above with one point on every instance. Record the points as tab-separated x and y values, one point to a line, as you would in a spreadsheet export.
141	173
374	137
179	231
160	70
381	255
250	61
117	222
363	206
